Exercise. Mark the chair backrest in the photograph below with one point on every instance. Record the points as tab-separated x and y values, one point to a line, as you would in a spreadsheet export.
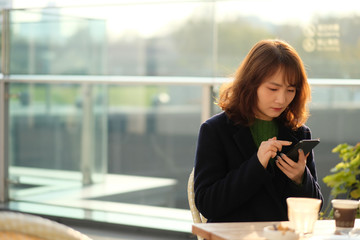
196	215
31	227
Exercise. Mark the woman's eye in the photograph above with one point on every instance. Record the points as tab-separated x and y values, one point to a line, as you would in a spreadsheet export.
272	89
291	90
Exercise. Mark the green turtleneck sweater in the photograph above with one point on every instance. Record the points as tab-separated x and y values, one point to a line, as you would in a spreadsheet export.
263	130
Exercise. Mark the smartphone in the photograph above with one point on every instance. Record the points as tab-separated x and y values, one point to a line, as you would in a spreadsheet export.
306	145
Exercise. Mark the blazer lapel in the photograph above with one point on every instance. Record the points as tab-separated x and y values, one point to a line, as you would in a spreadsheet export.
286	134
247	147
244	141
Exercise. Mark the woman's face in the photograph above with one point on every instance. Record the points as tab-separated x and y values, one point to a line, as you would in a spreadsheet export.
274	95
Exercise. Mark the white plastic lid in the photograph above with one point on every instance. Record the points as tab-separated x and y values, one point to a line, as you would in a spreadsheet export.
345	203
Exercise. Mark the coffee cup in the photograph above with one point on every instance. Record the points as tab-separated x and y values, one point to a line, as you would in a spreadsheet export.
303	213
345	211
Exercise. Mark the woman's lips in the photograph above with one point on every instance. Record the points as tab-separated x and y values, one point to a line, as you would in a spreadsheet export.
277	109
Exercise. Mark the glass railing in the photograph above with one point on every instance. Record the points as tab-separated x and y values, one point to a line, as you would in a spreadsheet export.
110	149
140	147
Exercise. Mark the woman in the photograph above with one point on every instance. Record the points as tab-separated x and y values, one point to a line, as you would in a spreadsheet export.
238	173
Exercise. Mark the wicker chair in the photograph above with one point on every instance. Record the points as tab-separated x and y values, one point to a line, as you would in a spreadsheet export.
20	226
196	215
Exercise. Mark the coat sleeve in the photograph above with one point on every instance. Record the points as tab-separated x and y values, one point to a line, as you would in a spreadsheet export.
219	190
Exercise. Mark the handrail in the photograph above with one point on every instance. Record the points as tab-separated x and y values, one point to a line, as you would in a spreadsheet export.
150	80
112	79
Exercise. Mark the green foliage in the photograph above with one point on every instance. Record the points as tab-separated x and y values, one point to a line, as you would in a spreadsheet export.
344	179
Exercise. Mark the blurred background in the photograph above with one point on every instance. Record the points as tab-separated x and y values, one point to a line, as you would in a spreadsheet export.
102	100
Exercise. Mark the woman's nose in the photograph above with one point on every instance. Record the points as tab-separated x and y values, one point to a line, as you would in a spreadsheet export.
281	97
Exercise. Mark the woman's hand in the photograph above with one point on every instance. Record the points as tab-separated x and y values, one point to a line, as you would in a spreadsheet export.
268	149
293	170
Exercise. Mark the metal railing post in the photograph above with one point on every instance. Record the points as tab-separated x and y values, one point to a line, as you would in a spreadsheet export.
3	146
206	102
87	135
4	163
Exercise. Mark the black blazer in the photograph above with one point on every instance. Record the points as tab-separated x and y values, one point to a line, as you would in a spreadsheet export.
231	184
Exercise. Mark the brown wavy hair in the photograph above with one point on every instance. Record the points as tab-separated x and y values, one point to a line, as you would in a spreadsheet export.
239	98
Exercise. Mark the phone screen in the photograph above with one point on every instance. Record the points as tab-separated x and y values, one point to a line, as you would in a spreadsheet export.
306	145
